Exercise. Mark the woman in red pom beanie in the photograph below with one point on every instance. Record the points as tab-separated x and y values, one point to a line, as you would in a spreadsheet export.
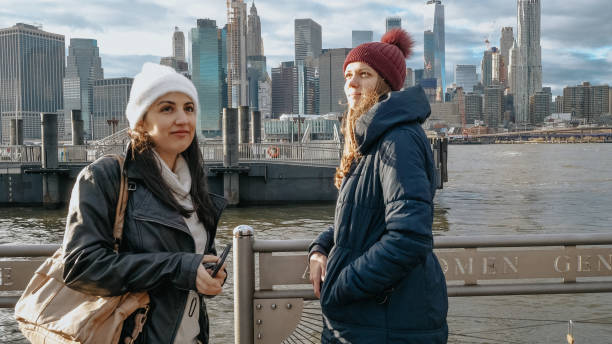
374	270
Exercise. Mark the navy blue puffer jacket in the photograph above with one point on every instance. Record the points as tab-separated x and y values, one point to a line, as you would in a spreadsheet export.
383	283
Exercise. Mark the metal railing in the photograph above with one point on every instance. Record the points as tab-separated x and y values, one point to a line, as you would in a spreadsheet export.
15	274
22	154
310	153
328	153
274	302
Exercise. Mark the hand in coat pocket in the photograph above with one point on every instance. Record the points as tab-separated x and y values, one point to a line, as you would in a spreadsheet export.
318	269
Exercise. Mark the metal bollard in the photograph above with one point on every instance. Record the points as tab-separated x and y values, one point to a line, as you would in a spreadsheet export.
244	284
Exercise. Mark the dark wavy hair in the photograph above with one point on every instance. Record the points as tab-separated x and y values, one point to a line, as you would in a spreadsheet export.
141	151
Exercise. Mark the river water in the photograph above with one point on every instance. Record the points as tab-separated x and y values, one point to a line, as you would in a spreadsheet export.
493	190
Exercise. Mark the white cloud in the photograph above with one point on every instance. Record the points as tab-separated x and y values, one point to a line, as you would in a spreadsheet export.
144	28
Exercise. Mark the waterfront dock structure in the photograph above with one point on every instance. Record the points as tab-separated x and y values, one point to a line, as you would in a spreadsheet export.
275	303
241	168
267	172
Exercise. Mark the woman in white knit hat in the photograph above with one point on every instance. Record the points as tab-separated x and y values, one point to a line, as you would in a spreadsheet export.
170	220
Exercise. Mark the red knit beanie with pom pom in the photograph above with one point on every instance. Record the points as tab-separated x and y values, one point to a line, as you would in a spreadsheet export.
387	57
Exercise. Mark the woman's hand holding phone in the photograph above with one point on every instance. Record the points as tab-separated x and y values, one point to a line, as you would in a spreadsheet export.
205	283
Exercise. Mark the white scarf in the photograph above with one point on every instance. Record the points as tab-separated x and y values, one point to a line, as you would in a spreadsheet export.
179	182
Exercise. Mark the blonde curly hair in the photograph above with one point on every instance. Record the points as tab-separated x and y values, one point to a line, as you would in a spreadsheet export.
350	153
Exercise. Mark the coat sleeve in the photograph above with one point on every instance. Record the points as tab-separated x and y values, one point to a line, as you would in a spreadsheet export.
91	265
323	243
407	239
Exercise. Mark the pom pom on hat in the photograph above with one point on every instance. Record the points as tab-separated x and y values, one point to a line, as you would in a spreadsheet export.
151	83
400	39
387	58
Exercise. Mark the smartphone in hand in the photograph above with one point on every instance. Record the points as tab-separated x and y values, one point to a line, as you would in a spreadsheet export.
215	267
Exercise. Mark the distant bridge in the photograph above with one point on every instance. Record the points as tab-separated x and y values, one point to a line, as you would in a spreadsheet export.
556	135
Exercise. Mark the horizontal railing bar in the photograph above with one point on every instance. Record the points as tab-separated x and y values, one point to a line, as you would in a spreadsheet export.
305	294
8	301
28	250
281	245
440	242
529	289
522	240
473	290
453	291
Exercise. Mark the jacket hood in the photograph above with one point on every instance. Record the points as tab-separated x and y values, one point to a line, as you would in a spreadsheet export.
402	107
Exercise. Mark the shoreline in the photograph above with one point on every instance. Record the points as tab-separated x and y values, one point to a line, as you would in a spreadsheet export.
527	142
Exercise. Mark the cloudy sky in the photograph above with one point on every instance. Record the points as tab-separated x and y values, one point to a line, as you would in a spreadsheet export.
576	38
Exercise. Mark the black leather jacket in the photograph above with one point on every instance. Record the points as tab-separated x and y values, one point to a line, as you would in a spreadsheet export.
156	252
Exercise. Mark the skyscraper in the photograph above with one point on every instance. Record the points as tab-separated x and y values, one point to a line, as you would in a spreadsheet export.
576	100
473	108
206	59
256	62
31	73
307	51
237	83
255	43
284	89
418	76
493	106
610	100
526	58
307	88
393	22
256	72
539	105
434	22
430	87
466	77
83	67
177	60
486	67
360	37
559	104
264	95
600	100
308	41
178	65
505	44
429	51
331	81
110	97
178	44
409	82
497	67
586	101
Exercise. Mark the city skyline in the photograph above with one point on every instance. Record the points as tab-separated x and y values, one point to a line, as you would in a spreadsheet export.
575	47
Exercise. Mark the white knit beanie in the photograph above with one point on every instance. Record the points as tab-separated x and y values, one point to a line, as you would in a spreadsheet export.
153	82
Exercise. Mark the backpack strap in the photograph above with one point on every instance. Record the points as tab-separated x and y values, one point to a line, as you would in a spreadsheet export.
121	203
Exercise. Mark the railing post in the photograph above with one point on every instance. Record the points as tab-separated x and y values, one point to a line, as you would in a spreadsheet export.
16	132
51	192
77	128
243	124
255	132
231	181
244	284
